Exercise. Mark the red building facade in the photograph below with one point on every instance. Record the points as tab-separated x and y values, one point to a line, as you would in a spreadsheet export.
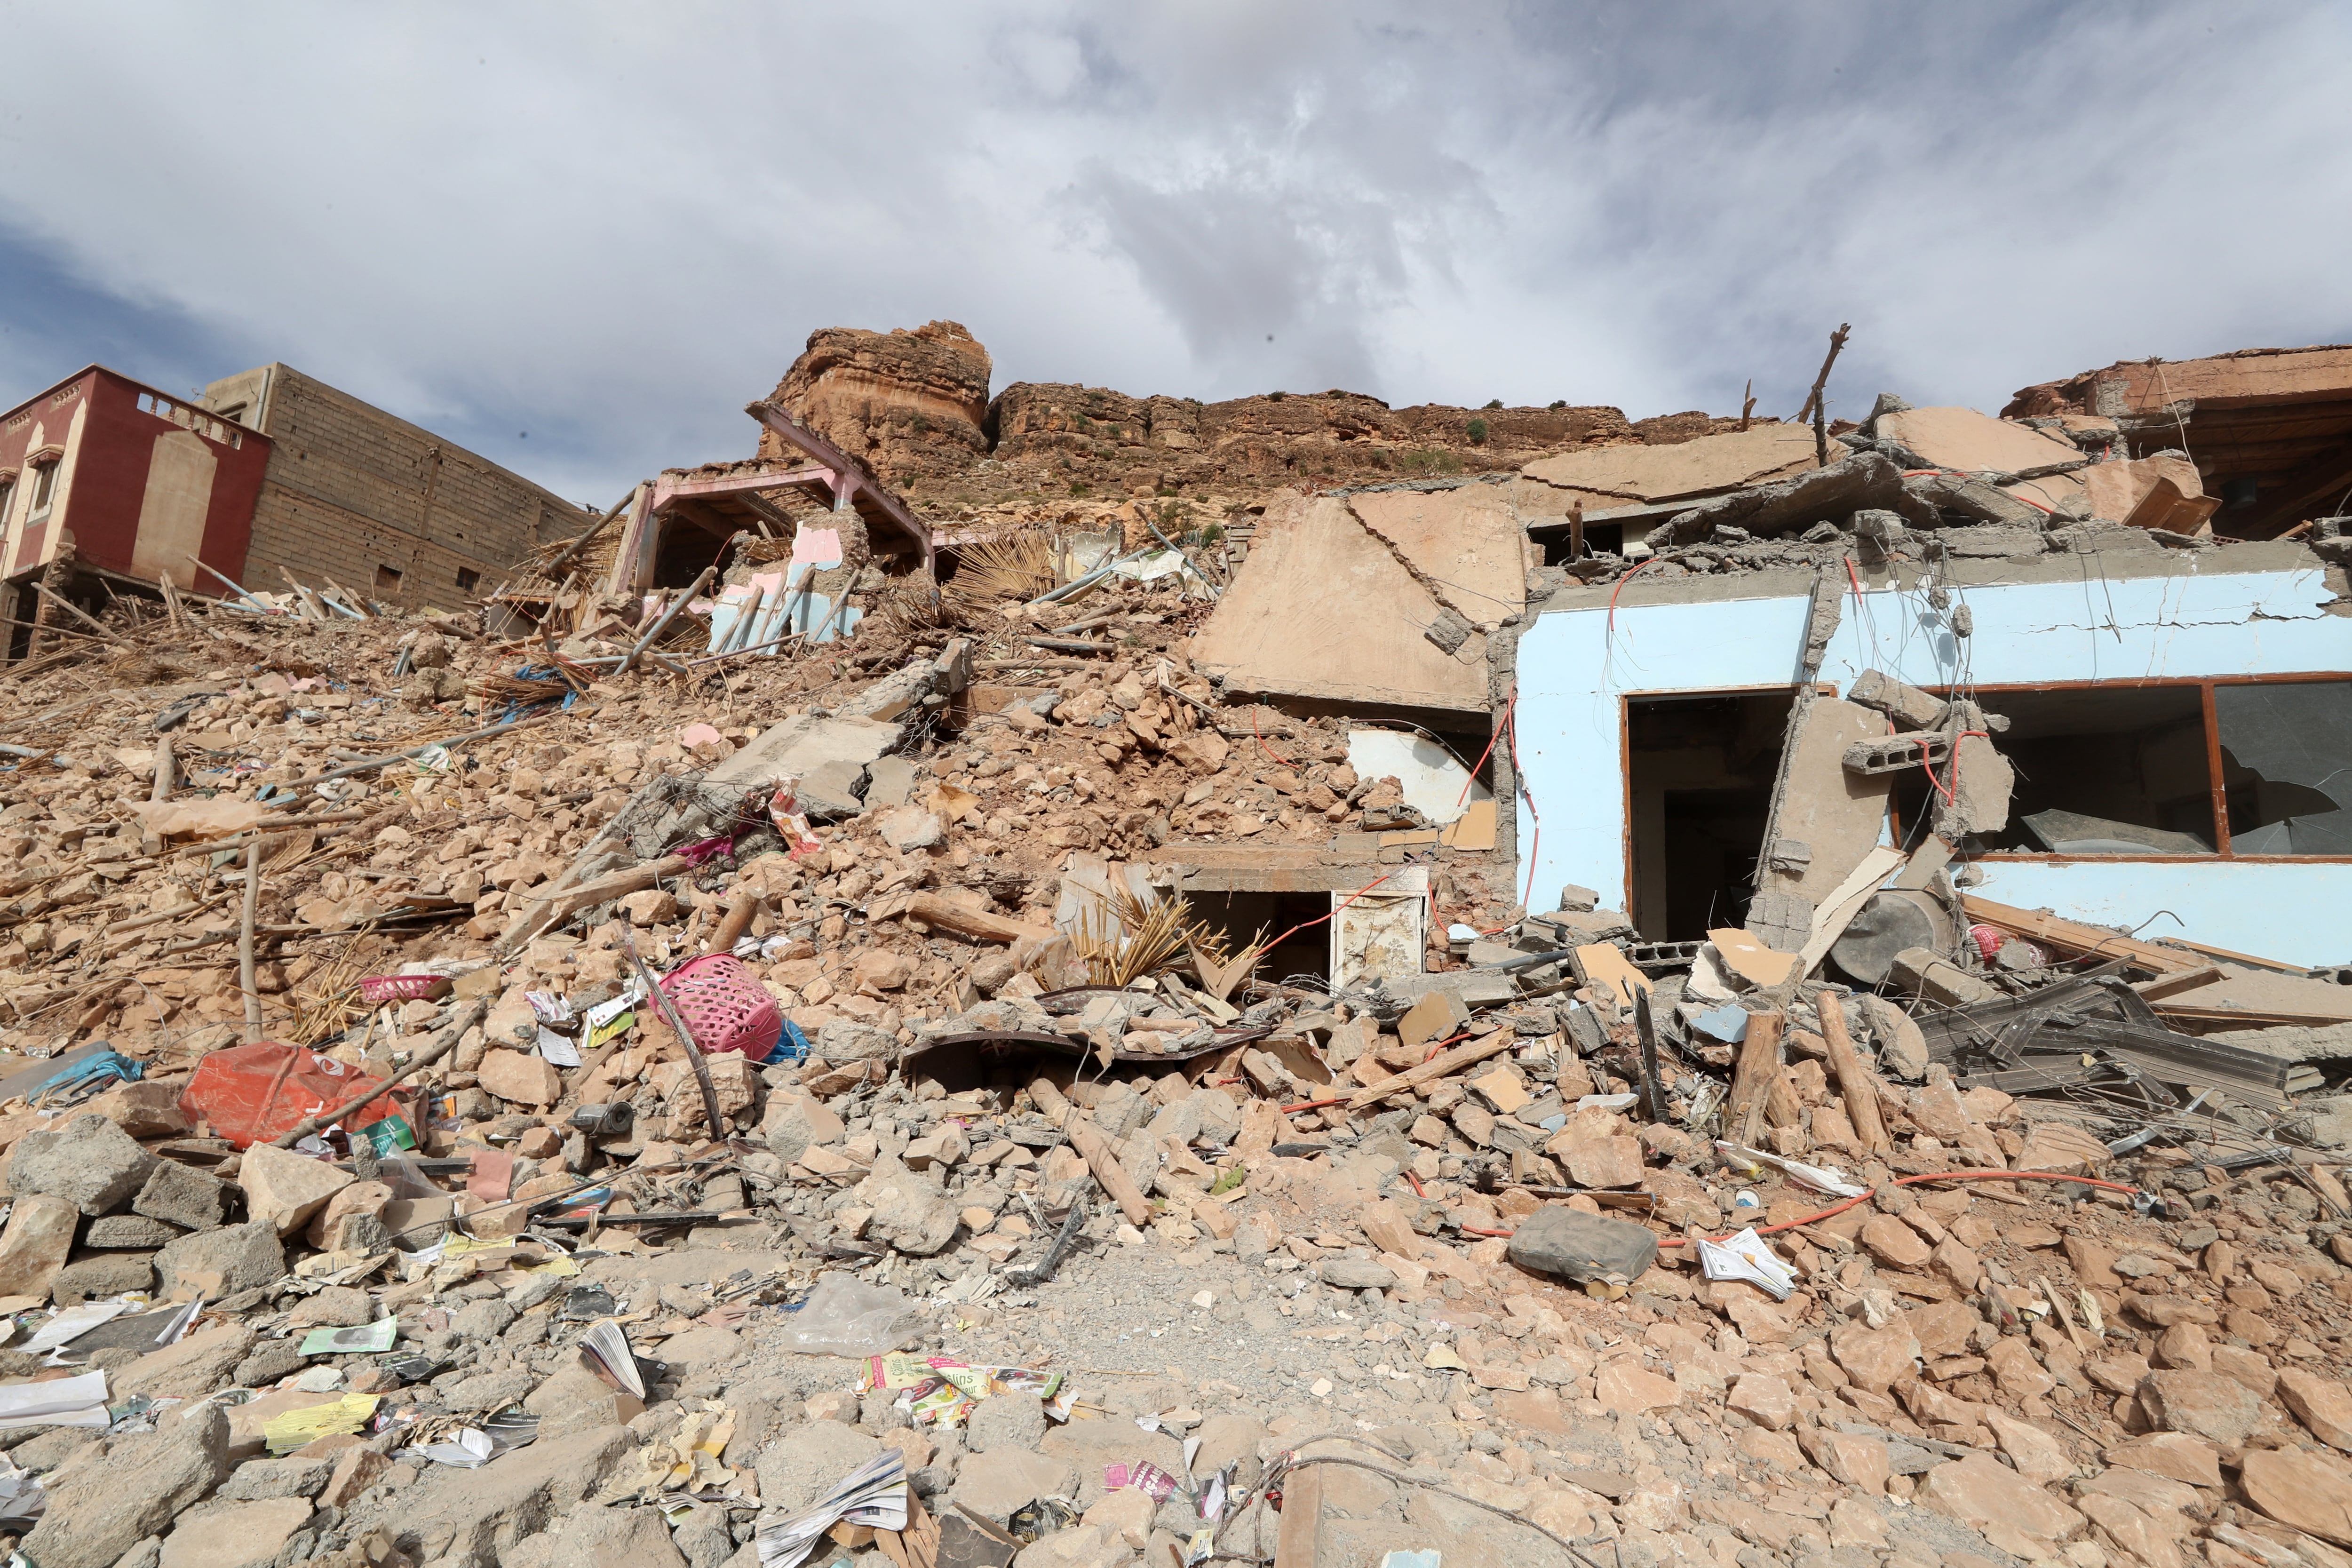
132	481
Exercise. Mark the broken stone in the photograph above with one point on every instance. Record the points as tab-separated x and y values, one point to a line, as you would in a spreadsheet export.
1987	1495
35	1243
287	1188
133	1489
521	1078
2321	1404
1581	1246
2202	1404
221	1261
2302	1490
181	1196
89	1162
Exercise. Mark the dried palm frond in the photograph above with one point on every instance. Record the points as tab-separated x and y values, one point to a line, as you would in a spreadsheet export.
492	691
1132	937
913	606
1013	567
329	1002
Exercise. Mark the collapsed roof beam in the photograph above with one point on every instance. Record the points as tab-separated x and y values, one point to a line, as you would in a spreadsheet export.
852	484
2308	490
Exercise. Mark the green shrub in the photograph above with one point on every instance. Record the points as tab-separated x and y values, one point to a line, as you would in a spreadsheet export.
1478	432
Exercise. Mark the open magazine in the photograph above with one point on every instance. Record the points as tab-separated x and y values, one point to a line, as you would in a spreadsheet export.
873	1494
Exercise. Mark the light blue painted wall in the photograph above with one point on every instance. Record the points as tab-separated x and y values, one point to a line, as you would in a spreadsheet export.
1573	668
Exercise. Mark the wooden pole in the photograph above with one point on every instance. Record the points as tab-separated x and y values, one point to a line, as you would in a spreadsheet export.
1439	1067
245	943
662	625
741	906
78	613
161	788
686	1037
940	914
594	529
1856	1082
1815	404
1751	1077
1101	1159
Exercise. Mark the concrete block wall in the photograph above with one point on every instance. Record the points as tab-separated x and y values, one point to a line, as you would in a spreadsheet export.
352	491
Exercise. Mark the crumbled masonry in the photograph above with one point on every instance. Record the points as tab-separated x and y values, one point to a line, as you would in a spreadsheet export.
994	1182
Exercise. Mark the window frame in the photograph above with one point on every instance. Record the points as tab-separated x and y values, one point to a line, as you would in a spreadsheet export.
2216	791
43	497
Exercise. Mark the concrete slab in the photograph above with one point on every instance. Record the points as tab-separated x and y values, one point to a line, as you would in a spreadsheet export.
1467	543
797	746
1325	612
1707	465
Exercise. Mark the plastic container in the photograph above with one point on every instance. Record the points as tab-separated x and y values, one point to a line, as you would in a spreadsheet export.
725	1006
378	989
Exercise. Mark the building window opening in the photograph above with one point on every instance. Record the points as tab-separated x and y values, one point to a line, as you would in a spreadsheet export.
7	501
1699	778
387	580
44	487
2206	769
2286	767
467	578
1242	917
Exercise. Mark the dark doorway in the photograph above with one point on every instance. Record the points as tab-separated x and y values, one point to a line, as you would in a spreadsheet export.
1698	780
1245	917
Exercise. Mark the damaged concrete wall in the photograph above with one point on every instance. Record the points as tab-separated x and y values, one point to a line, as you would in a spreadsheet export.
2035	624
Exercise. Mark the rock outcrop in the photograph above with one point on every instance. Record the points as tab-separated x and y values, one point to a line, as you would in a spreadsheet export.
906	404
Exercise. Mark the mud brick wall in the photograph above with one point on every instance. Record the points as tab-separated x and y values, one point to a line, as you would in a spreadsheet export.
354	494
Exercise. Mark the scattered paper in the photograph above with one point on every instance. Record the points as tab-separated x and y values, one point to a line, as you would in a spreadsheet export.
62	1402
473	1447
1821	1178
298	1428
1745	1256
558	1050
72	1323
1146	1477
606	1347
874	1494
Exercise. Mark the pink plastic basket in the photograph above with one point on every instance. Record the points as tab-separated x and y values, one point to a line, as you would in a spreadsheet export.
378	989
726	1006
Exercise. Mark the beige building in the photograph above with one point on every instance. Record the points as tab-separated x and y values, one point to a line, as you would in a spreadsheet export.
375	503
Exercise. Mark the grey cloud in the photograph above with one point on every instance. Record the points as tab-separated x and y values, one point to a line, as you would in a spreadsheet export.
614	231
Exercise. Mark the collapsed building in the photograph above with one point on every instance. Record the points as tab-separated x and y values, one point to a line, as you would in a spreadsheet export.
1049	978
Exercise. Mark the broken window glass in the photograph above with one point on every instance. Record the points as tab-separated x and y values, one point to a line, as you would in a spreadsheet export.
2286	764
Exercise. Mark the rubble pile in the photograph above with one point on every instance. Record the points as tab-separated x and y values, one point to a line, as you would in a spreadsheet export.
469	1100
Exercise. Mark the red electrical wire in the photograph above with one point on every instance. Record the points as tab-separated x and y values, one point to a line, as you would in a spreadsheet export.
1319	920
1261	740
1613	592
1507	709
1955	473
1900	1181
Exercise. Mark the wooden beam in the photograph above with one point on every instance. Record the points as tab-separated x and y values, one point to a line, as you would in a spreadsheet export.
2315	483
2074	937
1855	1081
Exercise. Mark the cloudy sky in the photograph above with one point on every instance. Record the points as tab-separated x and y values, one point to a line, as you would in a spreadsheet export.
580	237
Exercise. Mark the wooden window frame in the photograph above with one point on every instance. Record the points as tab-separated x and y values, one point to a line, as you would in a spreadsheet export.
2216	790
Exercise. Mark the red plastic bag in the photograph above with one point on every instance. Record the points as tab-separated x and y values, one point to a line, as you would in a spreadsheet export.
251	1094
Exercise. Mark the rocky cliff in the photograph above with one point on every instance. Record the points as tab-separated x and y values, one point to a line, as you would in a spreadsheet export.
906	404
914	407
